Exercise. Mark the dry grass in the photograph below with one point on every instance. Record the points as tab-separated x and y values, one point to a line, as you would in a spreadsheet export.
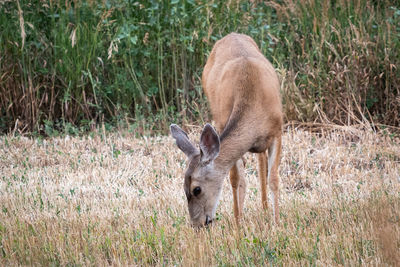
97	200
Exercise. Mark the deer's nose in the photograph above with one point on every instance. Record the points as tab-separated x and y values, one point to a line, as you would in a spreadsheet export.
208	220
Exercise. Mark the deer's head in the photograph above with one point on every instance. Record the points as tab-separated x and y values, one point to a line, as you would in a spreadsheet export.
203	181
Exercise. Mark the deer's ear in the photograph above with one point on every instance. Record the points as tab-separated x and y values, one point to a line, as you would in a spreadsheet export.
182	141
209	144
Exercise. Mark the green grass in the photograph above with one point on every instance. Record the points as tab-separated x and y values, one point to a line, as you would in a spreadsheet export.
81	63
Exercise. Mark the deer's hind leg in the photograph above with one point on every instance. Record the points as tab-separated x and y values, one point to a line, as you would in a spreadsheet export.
274	154
238	183
262	173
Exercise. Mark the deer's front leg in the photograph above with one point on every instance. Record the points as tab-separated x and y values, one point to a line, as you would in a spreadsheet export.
238	183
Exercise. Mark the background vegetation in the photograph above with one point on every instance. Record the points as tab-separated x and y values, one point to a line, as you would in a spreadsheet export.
72	64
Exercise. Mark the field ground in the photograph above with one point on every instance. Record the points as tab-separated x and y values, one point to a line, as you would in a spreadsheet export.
116	199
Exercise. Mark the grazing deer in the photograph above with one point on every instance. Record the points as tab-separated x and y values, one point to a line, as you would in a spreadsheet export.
242	88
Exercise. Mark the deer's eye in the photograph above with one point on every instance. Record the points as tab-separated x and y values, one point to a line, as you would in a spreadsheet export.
196	191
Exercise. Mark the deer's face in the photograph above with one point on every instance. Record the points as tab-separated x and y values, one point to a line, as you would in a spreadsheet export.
203	188
203	183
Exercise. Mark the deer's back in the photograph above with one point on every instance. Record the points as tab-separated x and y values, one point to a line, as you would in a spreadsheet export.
241	84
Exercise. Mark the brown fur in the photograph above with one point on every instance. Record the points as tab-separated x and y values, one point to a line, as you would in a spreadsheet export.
243	91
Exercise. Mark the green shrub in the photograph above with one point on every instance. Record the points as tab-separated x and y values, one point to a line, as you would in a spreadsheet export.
85	62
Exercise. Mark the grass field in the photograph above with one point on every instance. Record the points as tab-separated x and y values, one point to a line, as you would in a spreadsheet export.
115	199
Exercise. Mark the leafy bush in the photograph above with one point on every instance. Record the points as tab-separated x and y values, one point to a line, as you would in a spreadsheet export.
85	62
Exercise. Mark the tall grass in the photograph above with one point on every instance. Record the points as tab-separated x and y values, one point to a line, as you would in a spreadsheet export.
343	60
83	62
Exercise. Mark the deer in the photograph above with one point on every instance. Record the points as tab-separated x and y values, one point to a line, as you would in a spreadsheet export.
243	91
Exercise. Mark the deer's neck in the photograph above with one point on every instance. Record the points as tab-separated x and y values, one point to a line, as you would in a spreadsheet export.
235	142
